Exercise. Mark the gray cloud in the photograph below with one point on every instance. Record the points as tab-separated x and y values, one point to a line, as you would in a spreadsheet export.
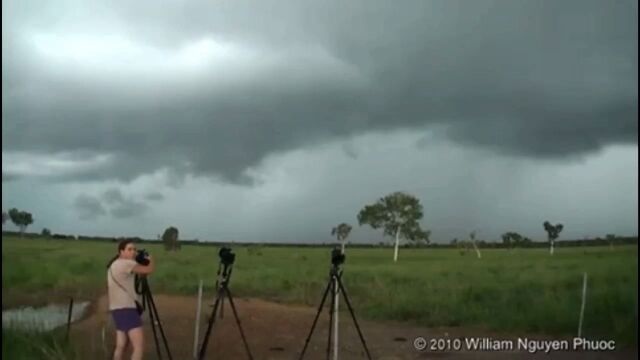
9	177
89	207
540	79
461	188
123	207
113	196
154	196
128	208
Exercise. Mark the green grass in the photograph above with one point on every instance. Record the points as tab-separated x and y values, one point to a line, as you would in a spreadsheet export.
507	290
27	345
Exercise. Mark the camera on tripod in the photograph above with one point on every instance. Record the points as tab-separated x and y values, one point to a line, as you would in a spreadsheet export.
337	257
227	257
142	257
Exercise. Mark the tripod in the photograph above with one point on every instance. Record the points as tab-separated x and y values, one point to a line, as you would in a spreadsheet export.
154	318
222	285
334	284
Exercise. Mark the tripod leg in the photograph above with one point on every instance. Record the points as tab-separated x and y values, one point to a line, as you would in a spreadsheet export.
333	302
346	299
324	297
212	319
235	314
222	308
157	317
147	305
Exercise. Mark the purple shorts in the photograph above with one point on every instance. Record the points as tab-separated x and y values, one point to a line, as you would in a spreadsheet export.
126	319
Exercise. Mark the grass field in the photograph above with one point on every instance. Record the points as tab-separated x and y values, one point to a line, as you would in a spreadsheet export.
507	290
26	345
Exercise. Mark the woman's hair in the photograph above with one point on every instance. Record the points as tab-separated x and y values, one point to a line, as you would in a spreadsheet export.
121	246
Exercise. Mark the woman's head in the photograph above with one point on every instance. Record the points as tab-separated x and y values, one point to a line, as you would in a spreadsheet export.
126	249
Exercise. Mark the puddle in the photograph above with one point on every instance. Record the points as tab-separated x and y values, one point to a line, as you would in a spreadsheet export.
44	318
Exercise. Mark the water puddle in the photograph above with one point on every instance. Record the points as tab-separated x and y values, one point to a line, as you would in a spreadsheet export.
44	318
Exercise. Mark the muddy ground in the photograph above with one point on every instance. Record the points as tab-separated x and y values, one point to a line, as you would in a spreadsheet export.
277	331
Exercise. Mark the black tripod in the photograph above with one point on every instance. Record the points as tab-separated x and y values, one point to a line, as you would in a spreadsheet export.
222	285
335	284
154	318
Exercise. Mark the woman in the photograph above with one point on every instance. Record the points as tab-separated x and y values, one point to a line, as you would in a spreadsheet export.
122	299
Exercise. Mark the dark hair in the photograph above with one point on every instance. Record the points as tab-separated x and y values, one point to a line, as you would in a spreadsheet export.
121	245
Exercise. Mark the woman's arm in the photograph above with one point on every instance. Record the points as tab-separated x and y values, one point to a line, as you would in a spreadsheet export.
144	269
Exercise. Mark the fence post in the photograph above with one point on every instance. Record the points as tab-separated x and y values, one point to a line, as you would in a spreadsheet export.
69	317
584	299
196	336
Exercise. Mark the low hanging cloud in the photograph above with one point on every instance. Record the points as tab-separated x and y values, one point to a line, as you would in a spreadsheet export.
122	207
209	90
113	196
154	196
128	208
89	207
113	202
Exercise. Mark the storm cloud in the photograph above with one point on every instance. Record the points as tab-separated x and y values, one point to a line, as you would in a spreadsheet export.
211	115
212	88
89	207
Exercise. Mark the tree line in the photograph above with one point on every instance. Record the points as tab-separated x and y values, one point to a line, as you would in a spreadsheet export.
396	214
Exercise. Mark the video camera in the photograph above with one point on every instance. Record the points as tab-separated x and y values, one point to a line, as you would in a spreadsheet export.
142	257
337	257
227	257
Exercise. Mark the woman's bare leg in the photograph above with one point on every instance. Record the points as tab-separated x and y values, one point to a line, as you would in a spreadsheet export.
121	344
137	341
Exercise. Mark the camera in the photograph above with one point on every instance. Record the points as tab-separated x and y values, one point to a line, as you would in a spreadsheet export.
337	257
227	256
142	257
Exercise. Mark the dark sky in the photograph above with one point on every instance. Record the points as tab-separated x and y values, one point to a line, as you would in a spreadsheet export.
276	120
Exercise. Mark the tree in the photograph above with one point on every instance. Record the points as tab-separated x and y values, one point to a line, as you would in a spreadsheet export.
454	242
21	219
472	239
552	233
611	238
512	239
341	232
170	239
46	232
398	214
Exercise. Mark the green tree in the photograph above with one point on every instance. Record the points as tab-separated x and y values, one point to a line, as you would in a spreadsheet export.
341	232
553	231
21	219
46	232
611	238
170	239
512	239
397	214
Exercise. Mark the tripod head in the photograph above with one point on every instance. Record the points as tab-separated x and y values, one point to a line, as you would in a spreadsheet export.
142	257
337	259
227	258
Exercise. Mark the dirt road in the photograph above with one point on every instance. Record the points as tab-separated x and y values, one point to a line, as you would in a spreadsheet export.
276	331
